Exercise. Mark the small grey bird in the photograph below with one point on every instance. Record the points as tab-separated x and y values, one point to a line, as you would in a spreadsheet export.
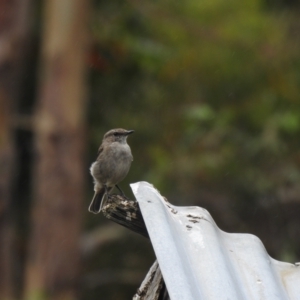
112	165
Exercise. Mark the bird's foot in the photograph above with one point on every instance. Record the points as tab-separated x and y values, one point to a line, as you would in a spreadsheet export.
125	197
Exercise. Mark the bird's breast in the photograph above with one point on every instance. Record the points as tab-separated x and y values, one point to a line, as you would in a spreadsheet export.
113	164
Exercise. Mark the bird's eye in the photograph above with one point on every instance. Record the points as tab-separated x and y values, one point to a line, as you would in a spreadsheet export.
115	134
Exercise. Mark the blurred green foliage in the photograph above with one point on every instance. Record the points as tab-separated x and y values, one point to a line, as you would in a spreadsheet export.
212	88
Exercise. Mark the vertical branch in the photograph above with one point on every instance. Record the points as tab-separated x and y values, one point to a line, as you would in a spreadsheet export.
53	265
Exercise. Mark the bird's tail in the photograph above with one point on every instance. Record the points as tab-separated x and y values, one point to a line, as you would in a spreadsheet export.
97	201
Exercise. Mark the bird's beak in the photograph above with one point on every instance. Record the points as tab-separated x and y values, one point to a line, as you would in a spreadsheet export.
129	132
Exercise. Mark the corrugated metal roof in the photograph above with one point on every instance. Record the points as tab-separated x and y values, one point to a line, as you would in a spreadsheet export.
200	261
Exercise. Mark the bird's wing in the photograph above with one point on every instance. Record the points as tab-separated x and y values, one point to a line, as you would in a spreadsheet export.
100	150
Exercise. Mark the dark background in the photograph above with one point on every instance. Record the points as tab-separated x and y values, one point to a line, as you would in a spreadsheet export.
211	89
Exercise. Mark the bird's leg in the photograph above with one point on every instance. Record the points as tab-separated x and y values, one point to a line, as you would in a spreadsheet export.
107	192
122	193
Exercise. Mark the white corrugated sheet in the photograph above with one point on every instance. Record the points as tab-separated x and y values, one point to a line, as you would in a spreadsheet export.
200	261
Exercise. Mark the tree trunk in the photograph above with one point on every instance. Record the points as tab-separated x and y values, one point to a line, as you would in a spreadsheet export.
7	156
54	253
14	35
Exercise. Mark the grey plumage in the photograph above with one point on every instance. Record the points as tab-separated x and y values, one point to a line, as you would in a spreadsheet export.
112	165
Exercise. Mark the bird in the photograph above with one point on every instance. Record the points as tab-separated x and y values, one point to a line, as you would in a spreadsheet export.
111	166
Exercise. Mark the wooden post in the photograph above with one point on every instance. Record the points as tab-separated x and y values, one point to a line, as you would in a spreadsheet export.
127	213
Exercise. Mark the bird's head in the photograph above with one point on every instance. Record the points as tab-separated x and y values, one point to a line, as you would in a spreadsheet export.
117	135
